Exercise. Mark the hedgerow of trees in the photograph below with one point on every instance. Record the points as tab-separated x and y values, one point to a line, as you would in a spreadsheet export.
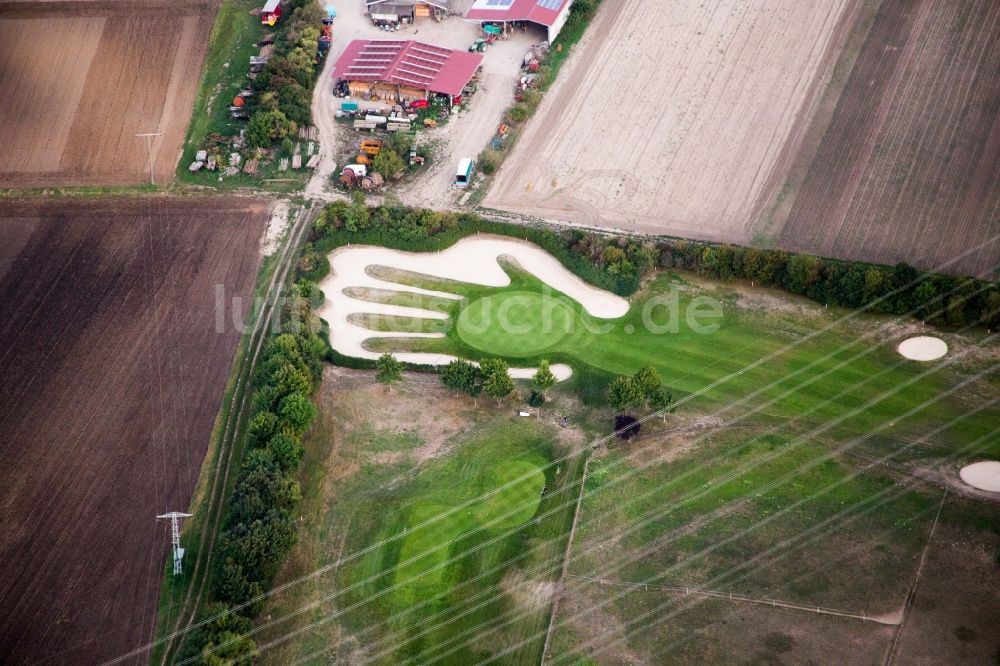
284	86
258	530
619	263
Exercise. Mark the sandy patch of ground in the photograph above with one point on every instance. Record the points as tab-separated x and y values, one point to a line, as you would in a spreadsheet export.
465	135
984	475
922	348
672	117
276	228
473	260
530	595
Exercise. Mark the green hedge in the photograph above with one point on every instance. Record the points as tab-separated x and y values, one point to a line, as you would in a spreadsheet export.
258	530
946	300
618	264
615	264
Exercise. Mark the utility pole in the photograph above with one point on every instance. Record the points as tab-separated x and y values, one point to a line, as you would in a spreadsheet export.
149	151
175	537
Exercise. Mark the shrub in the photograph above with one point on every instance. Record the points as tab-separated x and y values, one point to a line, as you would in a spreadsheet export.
389	163
627	426
296	411
518	113
488	161
536	399
267	126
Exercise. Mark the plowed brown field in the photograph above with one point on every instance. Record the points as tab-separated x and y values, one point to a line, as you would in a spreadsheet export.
907	168
860	129
670	117
81	79
111	375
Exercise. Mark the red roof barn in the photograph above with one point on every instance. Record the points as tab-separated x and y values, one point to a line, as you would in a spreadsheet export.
405	68
550	13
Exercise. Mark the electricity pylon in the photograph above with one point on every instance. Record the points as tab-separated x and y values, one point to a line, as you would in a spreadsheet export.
175	537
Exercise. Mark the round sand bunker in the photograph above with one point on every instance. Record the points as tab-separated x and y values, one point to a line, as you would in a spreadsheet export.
983	475
922	348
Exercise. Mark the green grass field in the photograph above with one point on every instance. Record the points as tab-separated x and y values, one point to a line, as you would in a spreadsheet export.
415	569
367	487
777	467
825	375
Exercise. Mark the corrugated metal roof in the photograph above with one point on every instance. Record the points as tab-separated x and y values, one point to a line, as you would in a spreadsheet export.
408	63
537	11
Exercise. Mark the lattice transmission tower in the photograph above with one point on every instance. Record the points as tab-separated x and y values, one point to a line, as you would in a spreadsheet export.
175	537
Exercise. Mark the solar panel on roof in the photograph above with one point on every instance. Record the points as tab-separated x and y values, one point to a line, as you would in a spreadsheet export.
549	4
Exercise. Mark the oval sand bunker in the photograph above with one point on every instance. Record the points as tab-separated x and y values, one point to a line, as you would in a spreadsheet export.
922	348
983	475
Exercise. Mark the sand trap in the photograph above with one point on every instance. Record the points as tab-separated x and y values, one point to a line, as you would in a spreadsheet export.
472	260
922	348
984	475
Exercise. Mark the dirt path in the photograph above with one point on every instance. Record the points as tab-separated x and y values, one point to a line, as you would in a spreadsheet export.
911	594
237	411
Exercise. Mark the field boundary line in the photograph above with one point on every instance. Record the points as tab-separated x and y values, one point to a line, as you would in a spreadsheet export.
760	601
911	594
566	558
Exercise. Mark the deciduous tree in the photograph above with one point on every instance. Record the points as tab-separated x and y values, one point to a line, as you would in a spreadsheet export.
388	370
624	394
496	379
543	379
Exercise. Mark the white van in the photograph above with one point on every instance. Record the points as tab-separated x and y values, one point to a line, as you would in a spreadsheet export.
464	174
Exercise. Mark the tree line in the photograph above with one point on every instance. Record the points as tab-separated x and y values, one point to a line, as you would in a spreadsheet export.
619	263
283	88
258	529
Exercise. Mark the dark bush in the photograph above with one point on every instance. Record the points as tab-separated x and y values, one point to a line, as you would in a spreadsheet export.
627	426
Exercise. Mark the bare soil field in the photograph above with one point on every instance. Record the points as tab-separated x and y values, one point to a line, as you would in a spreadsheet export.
906	169
673	117
111	376
83	78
